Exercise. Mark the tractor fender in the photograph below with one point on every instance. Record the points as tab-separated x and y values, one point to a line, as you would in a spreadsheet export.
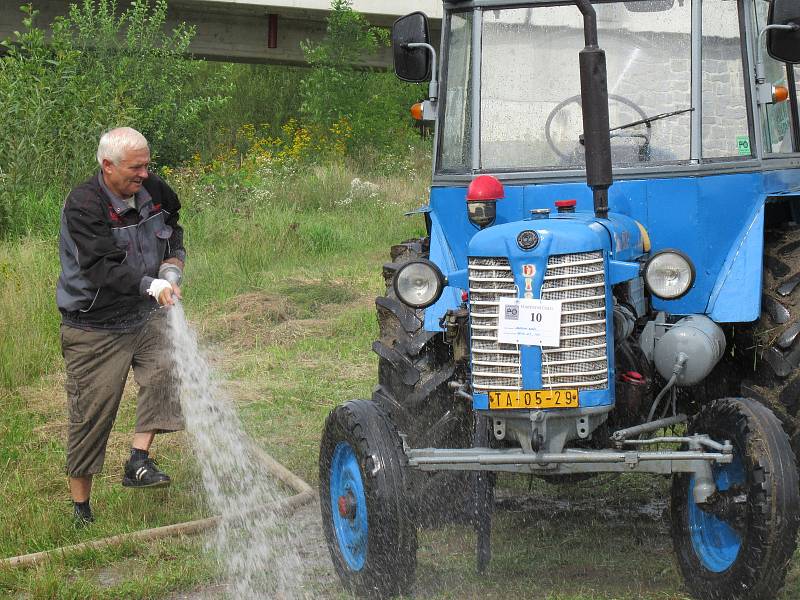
736	296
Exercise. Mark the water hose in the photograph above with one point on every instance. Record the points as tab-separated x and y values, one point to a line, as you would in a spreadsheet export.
305	494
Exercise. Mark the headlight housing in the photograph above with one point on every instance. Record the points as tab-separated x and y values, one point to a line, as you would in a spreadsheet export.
419	283
669	274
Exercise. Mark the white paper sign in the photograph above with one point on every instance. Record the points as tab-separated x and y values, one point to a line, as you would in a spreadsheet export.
530	322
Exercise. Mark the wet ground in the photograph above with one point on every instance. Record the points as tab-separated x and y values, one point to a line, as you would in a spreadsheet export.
536	527
321	578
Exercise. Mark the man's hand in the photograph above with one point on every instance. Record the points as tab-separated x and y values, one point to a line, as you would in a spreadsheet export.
175	261
165	298
162	290
176	291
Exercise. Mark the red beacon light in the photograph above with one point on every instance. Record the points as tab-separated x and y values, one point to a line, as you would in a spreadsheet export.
482	195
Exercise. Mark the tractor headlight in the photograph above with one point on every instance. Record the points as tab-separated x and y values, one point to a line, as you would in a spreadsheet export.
669	274
419	283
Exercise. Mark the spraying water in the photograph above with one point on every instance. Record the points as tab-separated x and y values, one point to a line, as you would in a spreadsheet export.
257	549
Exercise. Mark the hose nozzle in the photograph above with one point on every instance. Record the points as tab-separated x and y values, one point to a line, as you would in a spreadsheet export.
171	273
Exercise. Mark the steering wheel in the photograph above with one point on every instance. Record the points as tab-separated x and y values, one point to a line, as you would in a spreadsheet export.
643	149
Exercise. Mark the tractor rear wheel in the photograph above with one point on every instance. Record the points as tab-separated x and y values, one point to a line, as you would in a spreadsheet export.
769	349
414	369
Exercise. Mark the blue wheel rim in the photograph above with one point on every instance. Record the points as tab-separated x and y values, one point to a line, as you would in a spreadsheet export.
715	542
351	530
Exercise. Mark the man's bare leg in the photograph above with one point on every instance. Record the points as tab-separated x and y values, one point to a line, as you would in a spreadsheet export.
143	440
80	488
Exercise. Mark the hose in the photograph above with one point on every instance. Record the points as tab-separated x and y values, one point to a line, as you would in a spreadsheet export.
680	363
661	394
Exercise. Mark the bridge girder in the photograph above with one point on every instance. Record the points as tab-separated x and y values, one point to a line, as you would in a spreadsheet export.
242	30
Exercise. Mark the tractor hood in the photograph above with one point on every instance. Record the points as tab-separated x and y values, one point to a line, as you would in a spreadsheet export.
529	243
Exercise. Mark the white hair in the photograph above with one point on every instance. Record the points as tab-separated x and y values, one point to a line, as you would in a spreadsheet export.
116	142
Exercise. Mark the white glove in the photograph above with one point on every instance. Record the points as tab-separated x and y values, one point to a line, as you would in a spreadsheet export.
157	288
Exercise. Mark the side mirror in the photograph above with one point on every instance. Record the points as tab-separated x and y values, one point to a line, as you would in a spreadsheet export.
411	64
650	5
783	44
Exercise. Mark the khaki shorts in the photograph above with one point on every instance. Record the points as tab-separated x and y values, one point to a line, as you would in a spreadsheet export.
97	365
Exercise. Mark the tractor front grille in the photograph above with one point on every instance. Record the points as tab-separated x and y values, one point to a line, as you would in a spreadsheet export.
495	366
581	361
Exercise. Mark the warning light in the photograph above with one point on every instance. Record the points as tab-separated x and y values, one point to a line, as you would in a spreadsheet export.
482	195
485	187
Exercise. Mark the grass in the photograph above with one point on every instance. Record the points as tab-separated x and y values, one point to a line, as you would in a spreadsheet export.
567	558
29	324
280	284
280	290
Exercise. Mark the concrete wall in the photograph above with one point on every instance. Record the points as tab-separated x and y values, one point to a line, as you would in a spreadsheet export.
378	11
238	30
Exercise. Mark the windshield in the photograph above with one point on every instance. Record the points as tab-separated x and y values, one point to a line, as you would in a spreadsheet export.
530	105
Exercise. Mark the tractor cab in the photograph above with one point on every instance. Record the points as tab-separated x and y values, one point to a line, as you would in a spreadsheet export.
683	90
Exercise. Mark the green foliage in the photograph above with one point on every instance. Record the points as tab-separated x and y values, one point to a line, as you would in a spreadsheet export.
340	86
264	96
98	69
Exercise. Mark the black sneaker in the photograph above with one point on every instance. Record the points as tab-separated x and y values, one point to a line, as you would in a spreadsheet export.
144	474
82	515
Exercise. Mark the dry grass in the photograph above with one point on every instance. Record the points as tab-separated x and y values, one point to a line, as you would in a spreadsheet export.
47	400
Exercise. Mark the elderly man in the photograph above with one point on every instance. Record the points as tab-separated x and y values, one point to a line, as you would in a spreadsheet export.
117	229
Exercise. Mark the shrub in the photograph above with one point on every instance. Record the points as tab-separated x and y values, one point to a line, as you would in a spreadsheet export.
373	103
98	69
261	94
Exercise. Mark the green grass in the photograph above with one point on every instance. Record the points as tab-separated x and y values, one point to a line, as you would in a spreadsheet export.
282	292
571	558
126	571
29	323
280	286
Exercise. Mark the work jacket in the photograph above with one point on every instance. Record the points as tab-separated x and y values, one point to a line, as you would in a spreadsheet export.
110	253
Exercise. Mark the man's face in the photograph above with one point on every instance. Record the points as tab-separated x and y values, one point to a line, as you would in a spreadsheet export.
125	178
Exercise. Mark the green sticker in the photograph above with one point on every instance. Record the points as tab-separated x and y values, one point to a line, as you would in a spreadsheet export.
743	144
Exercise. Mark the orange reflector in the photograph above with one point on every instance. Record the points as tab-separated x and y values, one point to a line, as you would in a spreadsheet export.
416	111
780	93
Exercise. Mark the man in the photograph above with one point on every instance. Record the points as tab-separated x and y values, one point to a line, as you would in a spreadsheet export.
117	229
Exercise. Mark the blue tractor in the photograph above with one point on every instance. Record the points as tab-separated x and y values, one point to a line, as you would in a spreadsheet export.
609	283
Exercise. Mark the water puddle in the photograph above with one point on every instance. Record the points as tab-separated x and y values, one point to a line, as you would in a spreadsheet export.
256	548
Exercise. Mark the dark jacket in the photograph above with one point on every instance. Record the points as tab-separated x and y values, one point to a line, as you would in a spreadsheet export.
110	253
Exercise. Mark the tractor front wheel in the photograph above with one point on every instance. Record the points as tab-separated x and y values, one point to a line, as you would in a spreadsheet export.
738	547
364	501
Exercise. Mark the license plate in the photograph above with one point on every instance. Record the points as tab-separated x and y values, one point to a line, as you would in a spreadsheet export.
533	399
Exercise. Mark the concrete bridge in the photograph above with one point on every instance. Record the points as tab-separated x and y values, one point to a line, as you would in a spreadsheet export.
259	31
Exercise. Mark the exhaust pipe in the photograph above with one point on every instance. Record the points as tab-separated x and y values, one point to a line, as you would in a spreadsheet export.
594	106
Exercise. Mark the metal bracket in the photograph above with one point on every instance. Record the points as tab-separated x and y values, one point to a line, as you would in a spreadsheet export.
499	428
